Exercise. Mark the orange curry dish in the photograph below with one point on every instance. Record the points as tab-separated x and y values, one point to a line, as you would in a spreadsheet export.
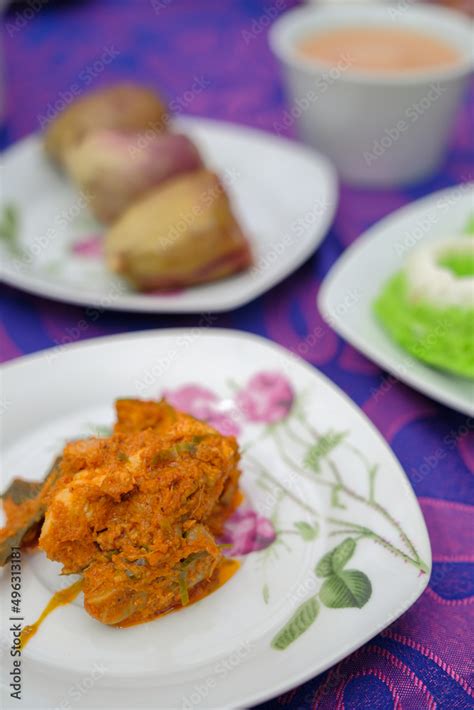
135	513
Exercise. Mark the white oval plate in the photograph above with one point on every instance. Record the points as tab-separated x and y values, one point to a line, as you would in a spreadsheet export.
218	652
347	295
284	194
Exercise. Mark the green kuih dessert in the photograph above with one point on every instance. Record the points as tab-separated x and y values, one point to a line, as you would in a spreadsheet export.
428	307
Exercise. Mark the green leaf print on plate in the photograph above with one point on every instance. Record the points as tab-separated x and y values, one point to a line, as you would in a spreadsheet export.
321	449
307	531
301	620
350	588
9	228
335	560
341	589
469	228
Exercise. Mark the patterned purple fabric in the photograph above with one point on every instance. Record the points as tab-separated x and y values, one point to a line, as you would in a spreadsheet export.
424	660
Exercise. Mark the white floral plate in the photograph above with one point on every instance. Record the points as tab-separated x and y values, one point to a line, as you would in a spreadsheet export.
347	295
284	195
332	543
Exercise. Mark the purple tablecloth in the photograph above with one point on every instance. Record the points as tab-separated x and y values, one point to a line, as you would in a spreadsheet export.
424	660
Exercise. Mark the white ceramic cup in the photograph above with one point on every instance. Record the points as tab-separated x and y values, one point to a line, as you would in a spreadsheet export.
379	128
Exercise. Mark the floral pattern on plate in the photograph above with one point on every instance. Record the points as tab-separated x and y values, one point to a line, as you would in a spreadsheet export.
269	400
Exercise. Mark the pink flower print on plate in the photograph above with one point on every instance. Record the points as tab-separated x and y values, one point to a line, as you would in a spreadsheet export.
89	247
203	404
267	397
247	531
